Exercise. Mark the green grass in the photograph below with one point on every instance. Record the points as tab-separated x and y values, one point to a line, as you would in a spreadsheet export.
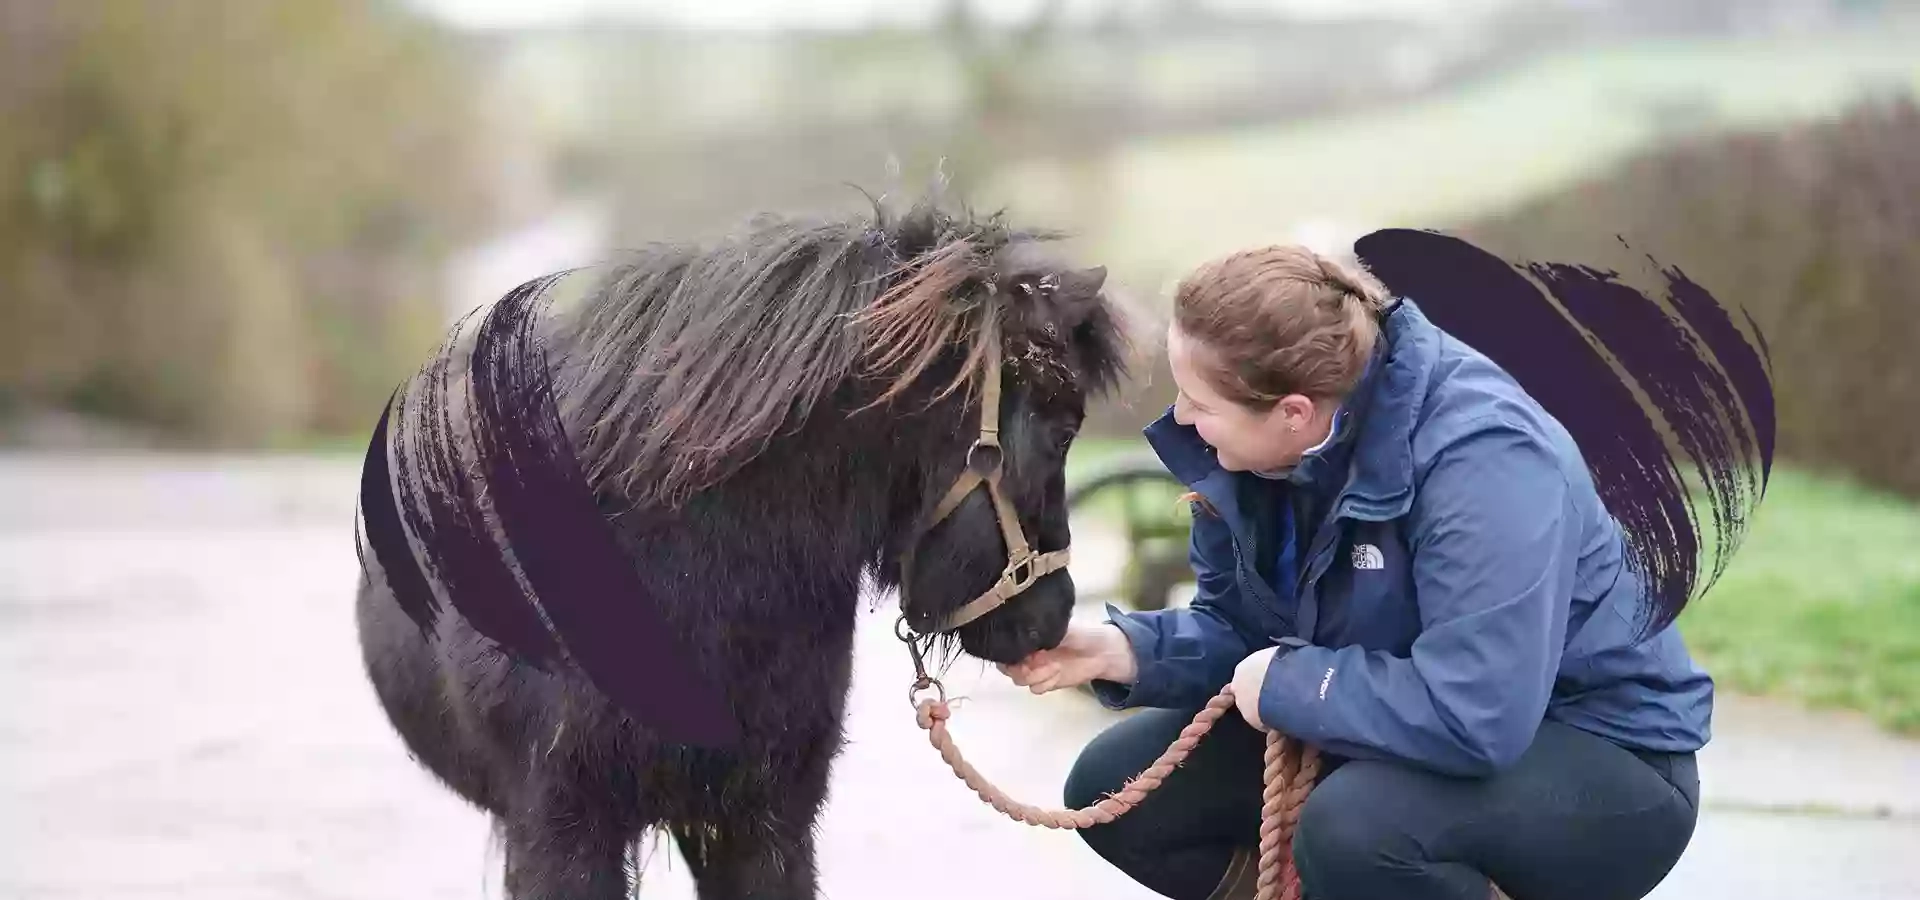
1819	605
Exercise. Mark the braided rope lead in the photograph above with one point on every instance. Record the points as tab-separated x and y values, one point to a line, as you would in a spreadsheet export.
1290	772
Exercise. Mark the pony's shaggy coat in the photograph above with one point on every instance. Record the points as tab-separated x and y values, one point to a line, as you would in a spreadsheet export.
763	422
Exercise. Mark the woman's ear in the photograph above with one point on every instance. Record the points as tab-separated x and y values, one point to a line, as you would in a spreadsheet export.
1296	412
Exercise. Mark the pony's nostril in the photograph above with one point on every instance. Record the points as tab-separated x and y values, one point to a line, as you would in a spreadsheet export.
1033	633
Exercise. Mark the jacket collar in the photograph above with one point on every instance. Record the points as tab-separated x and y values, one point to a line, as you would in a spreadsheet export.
1379	449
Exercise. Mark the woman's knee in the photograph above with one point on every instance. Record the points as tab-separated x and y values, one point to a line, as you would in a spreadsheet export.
1346	834
1115	756
1088	780
1336	829
1103	768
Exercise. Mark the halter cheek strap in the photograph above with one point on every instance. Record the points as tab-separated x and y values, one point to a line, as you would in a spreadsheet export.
1024	566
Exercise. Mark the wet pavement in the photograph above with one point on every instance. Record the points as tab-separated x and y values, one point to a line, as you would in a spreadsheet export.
188	718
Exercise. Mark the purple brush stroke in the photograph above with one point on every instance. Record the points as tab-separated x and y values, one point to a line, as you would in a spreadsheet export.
1493	307
588	605
440	507
609	620
385	534
1638	333
1752	375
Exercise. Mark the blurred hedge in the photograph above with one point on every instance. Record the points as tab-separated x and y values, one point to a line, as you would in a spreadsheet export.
1815	231
223	220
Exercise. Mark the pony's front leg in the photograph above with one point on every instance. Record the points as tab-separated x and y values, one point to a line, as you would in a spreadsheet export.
751	860
558	855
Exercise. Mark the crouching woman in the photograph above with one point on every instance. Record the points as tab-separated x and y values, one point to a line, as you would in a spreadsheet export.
1401	560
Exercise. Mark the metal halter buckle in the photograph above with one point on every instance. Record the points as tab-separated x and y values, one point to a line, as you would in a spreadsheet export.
1020	571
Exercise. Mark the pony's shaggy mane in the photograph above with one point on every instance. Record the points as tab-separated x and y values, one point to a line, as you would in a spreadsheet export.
688	361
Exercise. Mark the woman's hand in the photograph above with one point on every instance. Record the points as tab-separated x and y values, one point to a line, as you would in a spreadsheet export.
1248	676
1090	650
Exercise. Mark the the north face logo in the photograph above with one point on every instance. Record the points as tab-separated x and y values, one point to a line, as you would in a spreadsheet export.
1367	556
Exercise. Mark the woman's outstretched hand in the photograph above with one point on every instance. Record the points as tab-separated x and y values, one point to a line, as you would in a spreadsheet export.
1090	650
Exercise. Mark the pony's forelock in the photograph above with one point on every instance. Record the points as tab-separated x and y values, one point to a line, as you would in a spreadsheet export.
691	361
908	328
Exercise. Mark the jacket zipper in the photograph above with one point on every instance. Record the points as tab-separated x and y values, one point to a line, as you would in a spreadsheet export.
1317	561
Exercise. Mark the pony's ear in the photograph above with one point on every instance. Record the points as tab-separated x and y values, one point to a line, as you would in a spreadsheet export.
1077	293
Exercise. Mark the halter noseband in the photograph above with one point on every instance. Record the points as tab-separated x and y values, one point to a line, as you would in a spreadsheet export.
1024	566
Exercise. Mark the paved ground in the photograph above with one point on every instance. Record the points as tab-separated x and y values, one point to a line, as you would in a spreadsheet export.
187	718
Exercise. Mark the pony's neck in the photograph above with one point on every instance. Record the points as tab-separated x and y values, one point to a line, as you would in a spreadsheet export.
820	503
816	509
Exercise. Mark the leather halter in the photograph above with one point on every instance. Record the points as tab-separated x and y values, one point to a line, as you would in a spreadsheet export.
1024	566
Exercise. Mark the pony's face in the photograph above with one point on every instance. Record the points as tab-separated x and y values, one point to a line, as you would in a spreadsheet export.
1059	344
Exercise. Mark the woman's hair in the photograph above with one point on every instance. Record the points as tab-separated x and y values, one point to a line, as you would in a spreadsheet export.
1281	320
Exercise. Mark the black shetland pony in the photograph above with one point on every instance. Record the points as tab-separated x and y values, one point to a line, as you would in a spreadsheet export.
752	427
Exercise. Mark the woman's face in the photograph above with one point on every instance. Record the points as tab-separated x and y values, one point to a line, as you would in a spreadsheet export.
1244	440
